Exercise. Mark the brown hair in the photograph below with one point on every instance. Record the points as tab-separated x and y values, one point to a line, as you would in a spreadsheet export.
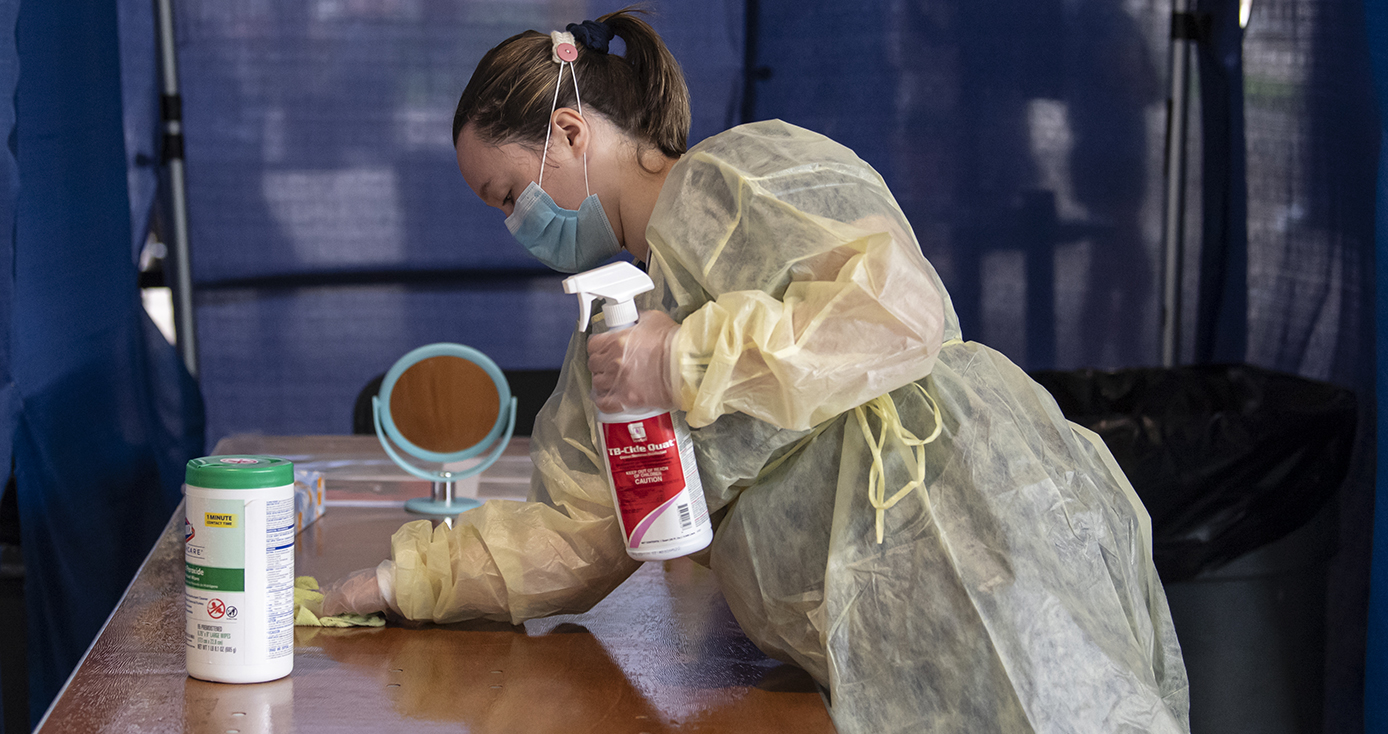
643	92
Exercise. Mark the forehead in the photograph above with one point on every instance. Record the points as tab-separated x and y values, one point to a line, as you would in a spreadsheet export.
496	167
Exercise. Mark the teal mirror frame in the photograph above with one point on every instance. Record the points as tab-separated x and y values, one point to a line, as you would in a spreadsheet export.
500	433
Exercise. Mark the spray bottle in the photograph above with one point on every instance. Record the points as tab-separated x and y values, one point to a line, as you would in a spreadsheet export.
648	453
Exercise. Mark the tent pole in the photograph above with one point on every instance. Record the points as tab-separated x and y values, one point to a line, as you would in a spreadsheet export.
1184	30
751	72
171	105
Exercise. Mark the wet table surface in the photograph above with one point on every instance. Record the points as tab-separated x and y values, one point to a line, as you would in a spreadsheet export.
662	653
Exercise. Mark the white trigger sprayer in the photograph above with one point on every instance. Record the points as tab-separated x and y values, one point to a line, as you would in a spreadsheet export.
618	284
648	453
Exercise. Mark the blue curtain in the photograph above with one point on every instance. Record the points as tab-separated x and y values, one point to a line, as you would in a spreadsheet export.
1311	141
1376	668
1022	139
140	89
108	415
9	197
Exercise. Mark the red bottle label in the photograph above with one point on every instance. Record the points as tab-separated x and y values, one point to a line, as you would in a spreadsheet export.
644	457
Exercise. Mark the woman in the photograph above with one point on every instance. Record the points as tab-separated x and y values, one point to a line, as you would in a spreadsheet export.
903	514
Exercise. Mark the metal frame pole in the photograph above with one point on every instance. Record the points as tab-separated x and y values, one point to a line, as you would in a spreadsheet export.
752	72
1183	33
172	106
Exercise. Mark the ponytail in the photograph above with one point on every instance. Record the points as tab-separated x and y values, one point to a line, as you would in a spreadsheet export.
642	92
662	96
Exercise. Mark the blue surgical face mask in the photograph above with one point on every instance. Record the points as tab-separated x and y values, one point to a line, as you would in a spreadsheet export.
568	241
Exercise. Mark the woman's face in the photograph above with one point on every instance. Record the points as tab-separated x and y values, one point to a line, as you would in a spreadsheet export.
499	173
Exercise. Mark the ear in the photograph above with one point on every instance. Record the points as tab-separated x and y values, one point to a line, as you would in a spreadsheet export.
569	132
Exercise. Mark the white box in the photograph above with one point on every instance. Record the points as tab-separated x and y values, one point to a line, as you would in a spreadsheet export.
308	498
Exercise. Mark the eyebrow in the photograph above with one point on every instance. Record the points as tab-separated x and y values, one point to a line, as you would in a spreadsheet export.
486	192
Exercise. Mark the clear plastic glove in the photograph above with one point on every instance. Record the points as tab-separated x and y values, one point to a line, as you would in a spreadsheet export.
631	367
360	592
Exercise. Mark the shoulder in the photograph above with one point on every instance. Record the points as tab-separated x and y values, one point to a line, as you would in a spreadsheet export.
768	161
766	133
741	207
771	147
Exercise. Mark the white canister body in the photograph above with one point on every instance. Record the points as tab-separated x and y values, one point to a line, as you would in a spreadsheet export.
655	484
239	582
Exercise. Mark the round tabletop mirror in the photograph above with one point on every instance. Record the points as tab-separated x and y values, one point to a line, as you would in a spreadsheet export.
448	408
445	404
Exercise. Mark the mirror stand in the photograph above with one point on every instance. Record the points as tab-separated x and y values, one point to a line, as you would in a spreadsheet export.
444	500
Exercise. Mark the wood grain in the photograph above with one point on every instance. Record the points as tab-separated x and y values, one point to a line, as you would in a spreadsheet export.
444	404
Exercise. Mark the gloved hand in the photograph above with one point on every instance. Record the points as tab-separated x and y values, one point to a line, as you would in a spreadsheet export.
631	367
360	592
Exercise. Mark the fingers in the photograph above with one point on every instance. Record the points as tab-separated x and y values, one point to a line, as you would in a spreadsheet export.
605	351
358	593
606	358
607	393
604	383
628	367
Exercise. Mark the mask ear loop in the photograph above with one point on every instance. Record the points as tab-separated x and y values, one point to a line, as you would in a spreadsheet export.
549	127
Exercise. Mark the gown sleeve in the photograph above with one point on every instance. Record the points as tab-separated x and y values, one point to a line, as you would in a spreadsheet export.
808	294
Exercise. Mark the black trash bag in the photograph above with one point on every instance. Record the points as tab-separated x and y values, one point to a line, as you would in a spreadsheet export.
1227	458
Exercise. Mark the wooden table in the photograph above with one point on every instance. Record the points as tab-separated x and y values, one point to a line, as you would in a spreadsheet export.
662	653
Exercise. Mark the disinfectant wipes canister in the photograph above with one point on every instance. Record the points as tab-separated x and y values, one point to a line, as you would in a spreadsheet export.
238	556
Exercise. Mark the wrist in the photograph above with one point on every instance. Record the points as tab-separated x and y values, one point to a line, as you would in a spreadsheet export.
385	583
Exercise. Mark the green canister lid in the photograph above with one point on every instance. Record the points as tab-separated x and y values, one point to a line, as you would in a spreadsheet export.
240	472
